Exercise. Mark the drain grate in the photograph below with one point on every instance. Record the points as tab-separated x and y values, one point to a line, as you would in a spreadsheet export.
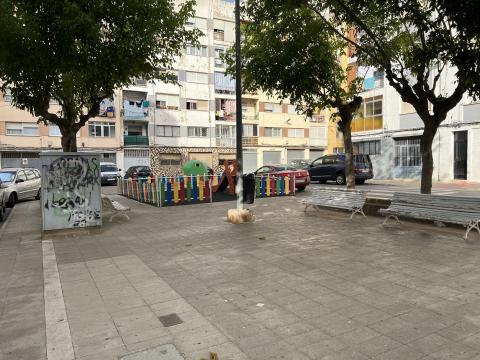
170	320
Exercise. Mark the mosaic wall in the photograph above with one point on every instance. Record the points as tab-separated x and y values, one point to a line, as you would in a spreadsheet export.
159	155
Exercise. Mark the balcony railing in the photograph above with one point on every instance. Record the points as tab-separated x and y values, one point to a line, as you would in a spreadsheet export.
253	140
227	142
231	142
135	140
250	117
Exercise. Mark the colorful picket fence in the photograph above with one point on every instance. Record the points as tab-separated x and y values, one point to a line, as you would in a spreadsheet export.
181	190
268	186
168	190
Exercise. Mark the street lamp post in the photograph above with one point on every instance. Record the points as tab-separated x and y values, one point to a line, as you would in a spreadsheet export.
238	93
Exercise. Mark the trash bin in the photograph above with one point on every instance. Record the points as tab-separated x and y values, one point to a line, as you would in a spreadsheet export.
248	188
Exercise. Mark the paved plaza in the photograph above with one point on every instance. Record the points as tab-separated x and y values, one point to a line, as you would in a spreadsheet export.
289	286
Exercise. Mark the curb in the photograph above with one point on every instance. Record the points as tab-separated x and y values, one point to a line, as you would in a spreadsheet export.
5	223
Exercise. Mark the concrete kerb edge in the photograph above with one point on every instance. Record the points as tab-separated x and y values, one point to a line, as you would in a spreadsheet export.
6	222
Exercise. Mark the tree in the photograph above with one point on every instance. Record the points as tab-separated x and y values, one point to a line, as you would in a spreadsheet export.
414	42
287	52
79	51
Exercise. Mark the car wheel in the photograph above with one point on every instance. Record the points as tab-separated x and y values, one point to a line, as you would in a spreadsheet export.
2	211
39	193
301	188
360	181
340	179
12	200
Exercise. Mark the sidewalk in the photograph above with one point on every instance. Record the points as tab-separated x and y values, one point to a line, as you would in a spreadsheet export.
290	286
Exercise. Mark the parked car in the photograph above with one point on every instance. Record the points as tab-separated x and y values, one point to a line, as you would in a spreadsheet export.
109	173
3	201
299	164
302	178
135	172
19	184
332	167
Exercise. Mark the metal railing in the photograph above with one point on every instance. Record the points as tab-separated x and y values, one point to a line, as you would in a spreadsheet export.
135	140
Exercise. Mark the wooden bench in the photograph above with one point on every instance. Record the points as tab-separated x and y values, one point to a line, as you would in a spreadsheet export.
449	209
115	207
352	200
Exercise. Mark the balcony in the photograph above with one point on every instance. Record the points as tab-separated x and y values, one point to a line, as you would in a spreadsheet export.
252	140
135	111
250	117
226	142
135	140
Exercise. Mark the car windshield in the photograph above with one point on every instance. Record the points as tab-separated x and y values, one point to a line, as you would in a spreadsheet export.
108	168
7	176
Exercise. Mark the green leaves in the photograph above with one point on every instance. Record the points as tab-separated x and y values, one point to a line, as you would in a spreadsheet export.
288	52
79	51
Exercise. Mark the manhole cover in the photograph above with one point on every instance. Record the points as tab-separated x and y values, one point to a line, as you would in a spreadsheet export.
163	352
170	320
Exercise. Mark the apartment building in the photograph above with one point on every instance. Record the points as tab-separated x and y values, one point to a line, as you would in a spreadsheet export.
164	125
389	130
22	139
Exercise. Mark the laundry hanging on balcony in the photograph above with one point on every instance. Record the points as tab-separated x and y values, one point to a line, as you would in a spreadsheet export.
135	110
224	84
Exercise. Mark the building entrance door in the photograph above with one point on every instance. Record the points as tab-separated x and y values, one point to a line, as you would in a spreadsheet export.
460	155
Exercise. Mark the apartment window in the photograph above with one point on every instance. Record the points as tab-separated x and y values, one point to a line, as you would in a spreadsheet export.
367	147
218	57
197	131
407	152
218	34
273	132
168	131
101	129
166	101
338	150
292	109
196	77
22	129
225	109
250	130
54	130
197	22
170	159
296	133
317	118
369	116
273	108
196	50
7	96
201	105
224	83
191	105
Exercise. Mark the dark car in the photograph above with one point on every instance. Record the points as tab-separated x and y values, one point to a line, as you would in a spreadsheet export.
332	167
135	172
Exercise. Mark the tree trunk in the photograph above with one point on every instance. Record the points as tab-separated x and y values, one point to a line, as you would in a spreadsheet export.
69	139
427	159
348	145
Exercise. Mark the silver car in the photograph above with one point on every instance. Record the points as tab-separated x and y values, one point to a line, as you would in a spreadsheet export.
19	184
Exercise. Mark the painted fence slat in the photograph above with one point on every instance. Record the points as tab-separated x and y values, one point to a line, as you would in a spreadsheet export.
178	190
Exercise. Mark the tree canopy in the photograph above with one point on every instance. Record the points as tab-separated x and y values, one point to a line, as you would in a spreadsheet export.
419	44
287	52
79	51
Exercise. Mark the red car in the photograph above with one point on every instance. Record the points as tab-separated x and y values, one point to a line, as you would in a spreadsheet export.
302	178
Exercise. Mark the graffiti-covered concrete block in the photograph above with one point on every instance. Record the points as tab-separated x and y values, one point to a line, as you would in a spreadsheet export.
71	190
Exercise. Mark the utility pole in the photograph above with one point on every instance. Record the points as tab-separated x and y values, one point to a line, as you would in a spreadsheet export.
238	93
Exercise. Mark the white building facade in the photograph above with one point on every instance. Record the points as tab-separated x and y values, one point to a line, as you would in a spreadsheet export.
389	130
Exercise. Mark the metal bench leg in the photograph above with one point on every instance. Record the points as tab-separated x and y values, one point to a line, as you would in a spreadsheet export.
391	217
357	211
470	227
119	214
